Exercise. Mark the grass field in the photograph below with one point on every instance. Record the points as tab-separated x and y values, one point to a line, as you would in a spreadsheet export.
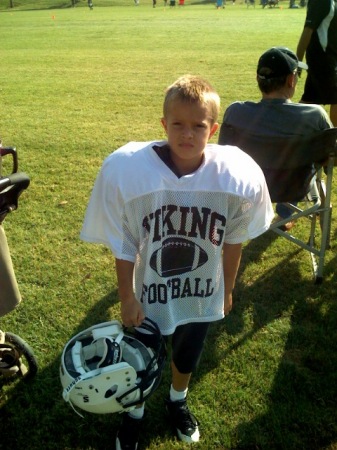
75	85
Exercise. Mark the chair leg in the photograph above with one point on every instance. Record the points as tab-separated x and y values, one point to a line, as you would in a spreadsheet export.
322	190
325	216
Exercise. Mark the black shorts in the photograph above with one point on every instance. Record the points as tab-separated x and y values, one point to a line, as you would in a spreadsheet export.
187	345
321	83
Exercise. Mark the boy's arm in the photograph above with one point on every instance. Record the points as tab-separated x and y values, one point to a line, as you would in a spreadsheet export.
231	263
131	310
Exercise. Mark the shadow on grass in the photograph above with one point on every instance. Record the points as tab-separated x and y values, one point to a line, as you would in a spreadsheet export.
35	417
301	408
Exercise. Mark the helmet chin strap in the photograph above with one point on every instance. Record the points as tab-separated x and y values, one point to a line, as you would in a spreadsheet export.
67	390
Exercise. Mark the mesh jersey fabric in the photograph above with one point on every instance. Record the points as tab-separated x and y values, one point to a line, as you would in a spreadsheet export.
173	228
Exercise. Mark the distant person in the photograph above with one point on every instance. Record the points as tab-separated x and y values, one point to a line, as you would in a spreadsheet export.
90	4
275	114
174	214
318	42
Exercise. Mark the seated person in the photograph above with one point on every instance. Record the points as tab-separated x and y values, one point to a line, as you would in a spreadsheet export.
275	114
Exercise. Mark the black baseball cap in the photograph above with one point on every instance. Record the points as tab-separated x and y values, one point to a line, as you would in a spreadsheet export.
277	62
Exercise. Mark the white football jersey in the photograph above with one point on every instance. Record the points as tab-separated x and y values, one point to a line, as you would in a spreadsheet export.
174	228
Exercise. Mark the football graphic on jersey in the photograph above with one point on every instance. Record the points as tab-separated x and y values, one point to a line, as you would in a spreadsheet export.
176	257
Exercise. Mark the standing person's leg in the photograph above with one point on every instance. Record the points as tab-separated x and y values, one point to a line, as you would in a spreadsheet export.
180	381
149	366
187	345
129	431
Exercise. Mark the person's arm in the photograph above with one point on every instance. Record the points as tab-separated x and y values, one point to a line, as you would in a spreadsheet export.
303	42
131	310
231	263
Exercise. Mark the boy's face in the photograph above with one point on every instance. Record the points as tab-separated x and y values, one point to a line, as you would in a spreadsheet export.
188	130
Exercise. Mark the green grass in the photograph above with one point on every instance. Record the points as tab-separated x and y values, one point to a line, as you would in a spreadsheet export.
75	85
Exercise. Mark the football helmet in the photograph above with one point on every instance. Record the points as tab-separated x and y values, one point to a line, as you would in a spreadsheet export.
108	368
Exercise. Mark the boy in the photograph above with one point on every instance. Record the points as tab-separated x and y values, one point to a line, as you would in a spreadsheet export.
174	213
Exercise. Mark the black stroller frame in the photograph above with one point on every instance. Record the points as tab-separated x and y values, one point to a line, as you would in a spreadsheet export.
17	359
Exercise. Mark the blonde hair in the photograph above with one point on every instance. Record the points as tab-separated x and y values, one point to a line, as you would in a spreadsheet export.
193	89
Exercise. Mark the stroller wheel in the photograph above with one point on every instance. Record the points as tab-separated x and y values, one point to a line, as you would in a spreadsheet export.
17	358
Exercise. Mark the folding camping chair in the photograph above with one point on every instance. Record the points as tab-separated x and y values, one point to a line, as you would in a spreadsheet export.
297	169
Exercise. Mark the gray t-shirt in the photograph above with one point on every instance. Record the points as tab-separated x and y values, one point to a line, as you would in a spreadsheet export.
277	117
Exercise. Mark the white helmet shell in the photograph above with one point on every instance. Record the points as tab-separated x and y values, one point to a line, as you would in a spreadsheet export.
107	368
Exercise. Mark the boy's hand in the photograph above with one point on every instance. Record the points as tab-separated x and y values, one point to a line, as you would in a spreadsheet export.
132	312
228	304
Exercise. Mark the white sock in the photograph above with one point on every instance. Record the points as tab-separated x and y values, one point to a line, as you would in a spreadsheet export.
138	412
175	396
